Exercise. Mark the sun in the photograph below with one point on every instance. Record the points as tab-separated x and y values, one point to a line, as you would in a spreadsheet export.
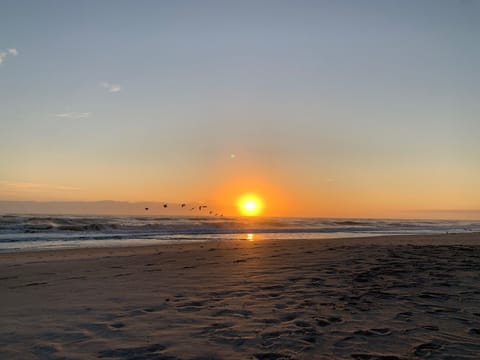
250	205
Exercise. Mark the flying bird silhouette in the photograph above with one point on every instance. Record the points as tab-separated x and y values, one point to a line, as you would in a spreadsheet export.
165	205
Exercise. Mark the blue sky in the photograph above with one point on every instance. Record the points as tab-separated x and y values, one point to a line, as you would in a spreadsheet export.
140	100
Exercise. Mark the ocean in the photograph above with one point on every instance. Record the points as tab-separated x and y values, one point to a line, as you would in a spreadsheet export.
34	232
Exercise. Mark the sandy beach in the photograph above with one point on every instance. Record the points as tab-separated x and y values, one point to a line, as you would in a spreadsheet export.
397	297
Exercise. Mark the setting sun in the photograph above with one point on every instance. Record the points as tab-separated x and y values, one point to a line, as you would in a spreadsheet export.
250	205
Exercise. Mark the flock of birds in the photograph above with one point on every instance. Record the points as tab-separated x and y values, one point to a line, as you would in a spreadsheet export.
198	208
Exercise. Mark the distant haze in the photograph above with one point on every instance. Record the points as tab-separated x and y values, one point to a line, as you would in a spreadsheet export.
174	209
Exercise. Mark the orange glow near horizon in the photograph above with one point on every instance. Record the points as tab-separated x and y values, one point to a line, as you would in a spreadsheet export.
250	205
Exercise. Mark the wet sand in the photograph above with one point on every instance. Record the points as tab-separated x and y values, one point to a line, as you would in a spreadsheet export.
397	297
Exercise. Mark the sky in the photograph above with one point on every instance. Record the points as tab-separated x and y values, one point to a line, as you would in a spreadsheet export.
321	108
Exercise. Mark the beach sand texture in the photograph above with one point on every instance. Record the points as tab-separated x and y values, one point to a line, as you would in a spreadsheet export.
385	298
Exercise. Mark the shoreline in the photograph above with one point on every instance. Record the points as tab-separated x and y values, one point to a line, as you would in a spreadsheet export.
125	250
399	297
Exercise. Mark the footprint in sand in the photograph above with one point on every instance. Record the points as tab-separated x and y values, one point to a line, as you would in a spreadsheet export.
325	321
426	349
288	317
373	332
375	357
191	306
271	356
405	316
146	352
234	313
117	325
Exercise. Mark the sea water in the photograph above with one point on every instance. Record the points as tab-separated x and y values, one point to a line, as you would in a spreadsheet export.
32	232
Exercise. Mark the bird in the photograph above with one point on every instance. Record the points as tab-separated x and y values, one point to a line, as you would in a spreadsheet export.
183	205
146	209
165	205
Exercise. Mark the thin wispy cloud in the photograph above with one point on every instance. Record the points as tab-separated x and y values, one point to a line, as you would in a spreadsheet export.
113	88
447	211
7	186
74	115
6	53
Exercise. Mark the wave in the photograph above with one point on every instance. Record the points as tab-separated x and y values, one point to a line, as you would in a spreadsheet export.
27	232
31	224
350	222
